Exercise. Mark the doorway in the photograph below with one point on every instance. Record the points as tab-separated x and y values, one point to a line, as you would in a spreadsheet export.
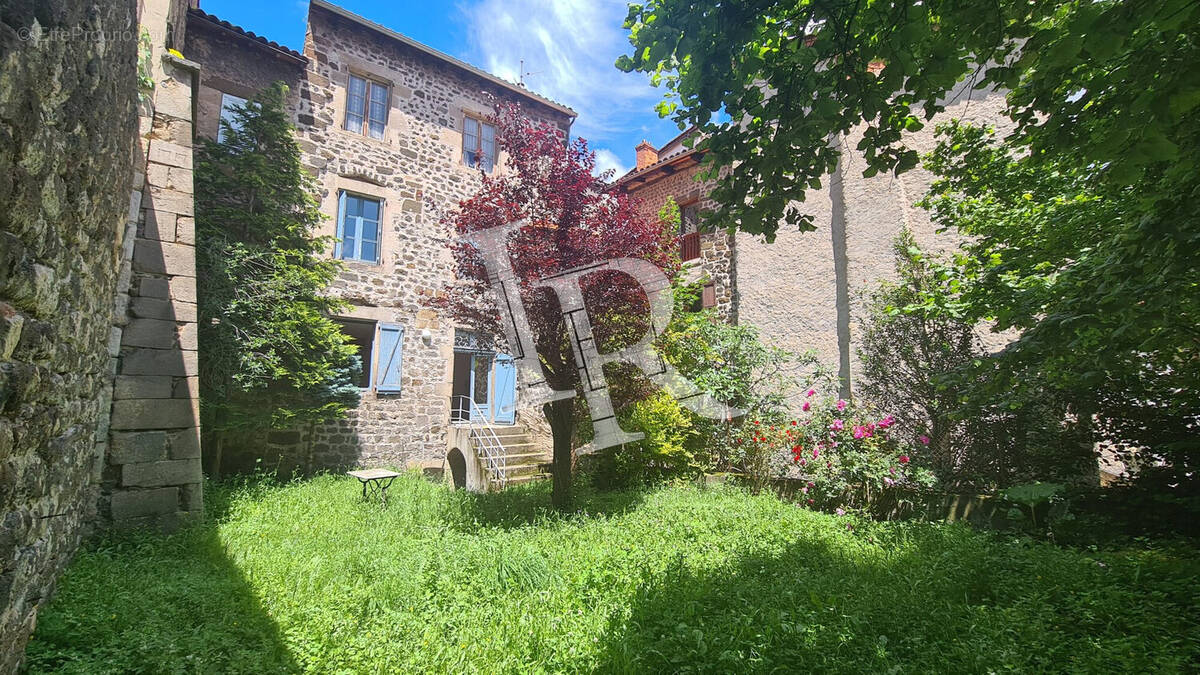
484	387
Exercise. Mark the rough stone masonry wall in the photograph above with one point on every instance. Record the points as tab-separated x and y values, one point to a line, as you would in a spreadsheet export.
67	122
152	477
716	262
417	170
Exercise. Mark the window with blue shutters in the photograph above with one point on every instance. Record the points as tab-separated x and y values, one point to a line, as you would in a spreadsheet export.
389	348
358	228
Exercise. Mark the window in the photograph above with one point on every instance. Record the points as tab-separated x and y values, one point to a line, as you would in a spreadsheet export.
689	218
479	144
358	228
228	101
708	296
362	336
366	106
380	346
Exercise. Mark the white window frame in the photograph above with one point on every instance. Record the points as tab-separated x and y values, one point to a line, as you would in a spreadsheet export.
227	103
356	254
478	151
364	126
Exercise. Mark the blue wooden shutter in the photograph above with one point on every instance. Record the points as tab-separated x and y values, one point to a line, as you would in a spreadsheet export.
389	351
341	223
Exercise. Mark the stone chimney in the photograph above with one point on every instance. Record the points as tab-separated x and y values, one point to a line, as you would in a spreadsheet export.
646	154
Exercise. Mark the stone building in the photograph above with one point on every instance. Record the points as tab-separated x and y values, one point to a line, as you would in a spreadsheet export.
803	291
396	133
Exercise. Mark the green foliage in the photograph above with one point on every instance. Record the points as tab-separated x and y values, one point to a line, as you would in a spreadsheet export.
1103	287
1107	85
669	448
270	355
306	577
919	354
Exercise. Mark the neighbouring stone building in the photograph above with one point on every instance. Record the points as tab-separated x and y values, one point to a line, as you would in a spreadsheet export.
395	133
803	291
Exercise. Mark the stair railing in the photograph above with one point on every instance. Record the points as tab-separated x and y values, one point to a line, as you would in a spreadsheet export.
484	438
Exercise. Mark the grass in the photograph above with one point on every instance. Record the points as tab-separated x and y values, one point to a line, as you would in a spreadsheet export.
305	577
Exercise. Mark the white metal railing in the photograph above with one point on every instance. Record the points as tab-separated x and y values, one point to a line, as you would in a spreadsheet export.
484	438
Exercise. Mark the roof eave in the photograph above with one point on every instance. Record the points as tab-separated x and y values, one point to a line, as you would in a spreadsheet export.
442	56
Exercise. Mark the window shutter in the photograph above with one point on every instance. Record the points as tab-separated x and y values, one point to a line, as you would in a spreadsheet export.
390	349
341	224
709	296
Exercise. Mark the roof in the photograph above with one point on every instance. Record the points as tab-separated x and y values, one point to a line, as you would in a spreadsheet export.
666	164
442	56
291	54
662	168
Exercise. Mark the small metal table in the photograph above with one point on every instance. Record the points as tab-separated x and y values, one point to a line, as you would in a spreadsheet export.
377	480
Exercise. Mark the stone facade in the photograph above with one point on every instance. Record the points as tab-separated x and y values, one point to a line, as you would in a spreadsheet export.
67	111
804	290
415	170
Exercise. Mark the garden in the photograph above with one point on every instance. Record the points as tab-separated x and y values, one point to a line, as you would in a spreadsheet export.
305	576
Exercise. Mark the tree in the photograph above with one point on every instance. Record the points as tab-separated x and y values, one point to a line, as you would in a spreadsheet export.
1109	83
573	221
270	355
919	352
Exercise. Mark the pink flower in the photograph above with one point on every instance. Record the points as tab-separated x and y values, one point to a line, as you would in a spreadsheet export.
888	481
862	432
810	484
924	439
904	459
811	392
887	422
805	407
840	511
803	461
841	404
816	453
837	425
804	490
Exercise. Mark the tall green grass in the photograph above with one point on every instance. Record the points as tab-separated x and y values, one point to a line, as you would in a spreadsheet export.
306	577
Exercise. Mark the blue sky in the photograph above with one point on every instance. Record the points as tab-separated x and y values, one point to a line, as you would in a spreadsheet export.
568	47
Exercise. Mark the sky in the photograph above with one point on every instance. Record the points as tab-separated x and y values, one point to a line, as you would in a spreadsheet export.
568	48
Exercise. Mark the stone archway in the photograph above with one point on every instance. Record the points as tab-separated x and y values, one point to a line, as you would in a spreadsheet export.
458	468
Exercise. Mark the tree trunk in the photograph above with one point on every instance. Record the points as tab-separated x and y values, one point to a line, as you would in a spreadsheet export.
561	415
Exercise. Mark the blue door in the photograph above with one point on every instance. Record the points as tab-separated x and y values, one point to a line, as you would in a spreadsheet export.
504	397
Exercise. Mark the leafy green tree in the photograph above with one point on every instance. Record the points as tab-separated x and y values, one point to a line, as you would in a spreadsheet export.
1109	83
922	361
1106	295
270	355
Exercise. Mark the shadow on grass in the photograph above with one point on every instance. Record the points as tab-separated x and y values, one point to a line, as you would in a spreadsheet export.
952	601
529	504
141	602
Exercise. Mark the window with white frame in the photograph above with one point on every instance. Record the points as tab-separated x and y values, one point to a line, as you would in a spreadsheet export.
366	106
228	101
358	228
479	144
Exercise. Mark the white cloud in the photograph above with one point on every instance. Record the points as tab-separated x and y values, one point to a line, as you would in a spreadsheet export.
569	47
607	159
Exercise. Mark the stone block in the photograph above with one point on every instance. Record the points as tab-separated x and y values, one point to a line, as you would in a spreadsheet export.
160	413
150	287
158	225
142	361
187	387
170	154
174	201
10	330
183	289
189	336
157	474
154	333
160	257
164	310
184	444
142	386
185	230
142	446
128	504
193	497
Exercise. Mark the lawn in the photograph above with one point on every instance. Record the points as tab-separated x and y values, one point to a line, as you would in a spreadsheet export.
305	577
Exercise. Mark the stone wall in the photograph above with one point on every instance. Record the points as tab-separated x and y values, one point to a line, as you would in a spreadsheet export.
715	264
67	122
152	477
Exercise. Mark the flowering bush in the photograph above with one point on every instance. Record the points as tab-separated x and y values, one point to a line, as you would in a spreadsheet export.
845	454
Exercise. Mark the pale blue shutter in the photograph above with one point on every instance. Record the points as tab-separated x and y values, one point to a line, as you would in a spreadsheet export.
389	351
341	224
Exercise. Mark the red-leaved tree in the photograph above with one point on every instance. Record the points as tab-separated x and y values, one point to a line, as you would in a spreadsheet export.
573	221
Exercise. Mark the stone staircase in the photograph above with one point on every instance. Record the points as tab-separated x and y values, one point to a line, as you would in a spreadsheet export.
521	459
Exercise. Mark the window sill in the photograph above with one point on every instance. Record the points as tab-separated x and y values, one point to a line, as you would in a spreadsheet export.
363	137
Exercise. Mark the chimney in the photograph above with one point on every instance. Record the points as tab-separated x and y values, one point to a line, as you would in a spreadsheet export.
646	154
